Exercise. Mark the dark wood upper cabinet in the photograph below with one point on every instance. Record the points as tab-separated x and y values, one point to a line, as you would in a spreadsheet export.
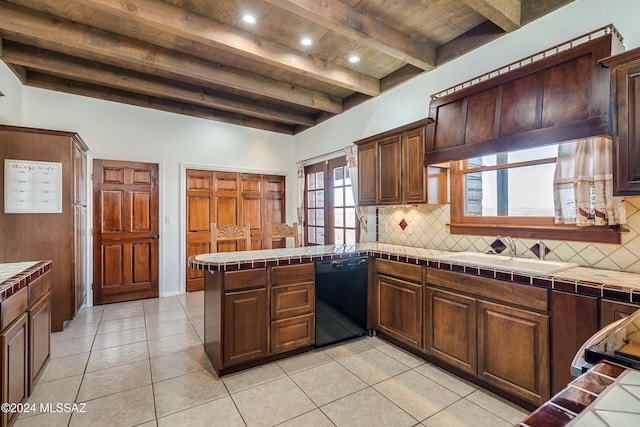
625	89
391	168
560	97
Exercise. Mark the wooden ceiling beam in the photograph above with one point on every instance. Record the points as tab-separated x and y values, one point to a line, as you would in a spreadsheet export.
506	14
30	27
364	29
58	84
181	22
81	70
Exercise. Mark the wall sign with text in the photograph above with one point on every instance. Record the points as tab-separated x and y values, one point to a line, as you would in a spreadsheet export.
32	187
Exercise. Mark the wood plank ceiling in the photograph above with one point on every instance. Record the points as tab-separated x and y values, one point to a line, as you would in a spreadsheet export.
199	57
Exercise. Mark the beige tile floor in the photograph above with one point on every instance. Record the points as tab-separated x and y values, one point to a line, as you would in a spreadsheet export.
142	363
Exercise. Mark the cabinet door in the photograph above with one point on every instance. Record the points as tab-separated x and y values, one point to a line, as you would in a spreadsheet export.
390	170
39	338
413	173
13	342
513	350
293	332
610	311
627	143
79	175
451	329
79	255
574	318
400	309
245	326
367	174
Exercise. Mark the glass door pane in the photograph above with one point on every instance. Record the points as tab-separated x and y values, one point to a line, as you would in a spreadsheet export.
329	204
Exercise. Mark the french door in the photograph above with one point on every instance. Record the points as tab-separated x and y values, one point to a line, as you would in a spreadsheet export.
330	213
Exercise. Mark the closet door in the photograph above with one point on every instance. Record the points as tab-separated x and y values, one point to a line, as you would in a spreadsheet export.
229	198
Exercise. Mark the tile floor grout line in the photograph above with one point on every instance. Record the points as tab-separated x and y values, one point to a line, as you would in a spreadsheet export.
151	311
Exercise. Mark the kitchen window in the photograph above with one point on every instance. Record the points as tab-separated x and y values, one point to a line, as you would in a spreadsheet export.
511	193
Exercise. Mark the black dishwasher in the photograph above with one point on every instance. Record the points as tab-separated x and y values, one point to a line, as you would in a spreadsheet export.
341	299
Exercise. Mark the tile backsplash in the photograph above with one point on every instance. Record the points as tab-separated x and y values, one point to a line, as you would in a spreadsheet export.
426	226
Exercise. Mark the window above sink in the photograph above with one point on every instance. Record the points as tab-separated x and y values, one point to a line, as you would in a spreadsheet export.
512	193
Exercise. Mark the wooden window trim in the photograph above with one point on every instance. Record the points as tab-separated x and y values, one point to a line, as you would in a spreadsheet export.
520	227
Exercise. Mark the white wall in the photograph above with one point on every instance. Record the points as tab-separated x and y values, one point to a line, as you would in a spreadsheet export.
410	101
122	132
11	103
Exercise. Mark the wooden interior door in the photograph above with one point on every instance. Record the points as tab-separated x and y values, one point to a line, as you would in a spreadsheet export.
125	231
229	198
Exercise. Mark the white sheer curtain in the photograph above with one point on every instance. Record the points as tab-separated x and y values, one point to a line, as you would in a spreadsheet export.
583	184
301	196
351	153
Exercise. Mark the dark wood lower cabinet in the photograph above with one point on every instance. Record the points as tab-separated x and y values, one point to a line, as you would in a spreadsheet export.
574	319
245	326
14	346
292	332
610	311
496	331
400	309
256	315
39	338
451	329
513	350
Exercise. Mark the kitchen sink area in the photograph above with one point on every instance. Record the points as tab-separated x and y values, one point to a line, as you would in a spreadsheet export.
506	262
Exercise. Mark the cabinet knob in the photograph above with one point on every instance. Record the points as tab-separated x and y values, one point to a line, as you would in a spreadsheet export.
155	236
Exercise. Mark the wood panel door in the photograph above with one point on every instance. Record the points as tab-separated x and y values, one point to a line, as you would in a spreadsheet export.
390	170
513	350
245	326
229	198
400	309
451	329
125	231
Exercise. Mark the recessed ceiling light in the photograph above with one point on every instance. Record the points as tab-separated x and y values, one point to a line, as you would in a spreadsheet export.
354	59
249	19
306	41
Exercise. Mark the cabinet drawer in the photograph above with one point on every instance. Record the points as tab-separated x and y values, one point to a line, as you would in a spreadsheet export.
292	273
291	333
245	279
291	300
13	307
525	296
39	287
399	269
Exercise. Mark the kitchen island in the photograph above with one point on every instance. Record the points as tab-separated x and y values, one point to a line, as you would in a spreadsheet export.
411	291
25	329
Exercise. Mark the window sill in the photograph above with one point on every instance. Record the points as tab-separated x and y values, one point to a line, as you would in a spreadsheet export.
563	233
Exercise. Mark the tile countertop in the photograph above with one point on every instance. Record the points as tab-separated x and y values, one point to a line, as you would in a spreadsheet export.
606	395
225	261
615	285
16	275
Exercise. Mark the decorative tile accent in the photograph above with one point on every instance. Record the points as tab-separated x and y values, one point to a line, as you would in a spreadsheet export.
536	250
498	246
403	224
430	230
